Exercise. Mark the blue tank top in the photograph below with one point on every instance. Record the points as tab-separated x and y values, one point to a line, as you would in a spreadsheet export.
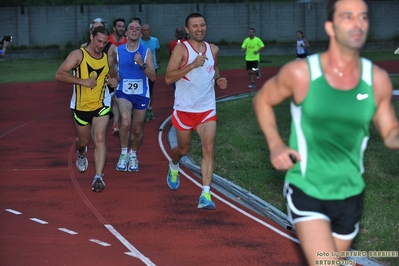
132	79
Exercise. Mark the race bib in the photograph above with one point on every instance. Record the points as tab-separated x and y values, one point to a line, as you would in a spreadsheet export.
133	86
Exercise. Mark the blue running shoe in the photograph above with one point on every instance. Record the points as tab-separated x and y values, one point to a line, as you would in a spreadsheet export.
205	202
173	179
122	163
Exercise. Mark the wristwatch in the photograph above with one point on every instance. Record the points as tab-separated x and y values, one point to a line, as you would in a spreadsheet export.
143	66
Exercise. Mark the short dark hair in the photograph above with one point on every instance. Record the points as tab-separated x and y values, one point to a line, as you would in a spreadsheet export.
331	9
100	29
137	19
119	19
252	29
194	15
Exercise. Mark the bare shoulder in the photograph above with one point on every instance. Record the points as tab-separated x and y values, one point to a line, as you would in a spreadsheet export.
295	71
214	48
295	77
382	84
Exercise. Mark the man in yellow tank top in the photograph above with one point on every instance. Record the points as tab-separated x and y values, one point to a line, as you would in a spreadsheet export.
91	100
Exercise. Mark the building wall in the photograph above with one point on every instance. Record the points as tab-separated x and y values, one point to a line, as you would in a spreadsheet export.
273	22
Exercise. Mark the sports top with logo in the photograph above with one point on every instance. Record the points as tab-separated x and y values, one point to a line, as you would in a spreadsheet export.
90	99
195	92
132	79
330	129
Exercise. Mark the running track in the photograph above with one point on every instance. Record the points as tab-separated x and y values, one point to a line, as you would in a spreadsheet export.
49	216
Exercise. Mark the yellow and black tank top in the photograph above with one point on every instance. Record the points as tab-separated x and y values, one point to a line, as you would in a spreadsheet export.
90	99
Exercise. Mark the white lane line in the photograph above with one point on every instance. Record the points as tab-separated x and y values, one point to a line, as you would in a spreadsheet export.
133	251
38	221
14	211
104	244
93	209
68	231
225	201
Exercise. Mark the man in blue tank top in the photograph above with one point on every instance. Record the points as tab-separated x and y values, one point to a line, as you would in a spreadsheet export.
135	68
334	97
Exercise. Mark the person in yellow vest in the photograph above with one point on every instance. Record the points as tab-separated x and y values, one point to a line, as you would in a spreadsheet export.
91	100
252	46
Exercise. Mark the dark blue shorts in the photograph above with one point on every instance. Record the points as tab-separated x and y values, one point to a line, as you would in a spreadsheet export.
138	102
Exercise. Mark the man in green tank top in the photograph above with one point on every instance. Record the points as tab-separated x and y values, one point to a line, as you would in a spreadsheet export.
334	97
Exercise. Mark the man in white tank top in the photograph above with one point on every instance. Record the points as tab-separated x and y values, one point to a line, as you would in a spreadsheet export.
193	67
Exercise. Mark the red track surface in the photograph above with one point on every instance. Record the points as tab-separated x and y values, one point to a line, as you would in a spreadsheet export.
137	220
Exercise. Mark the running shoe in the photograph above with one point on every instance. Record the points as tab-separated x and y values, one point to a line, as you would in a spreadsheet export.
81	161
173	179
122	163
133	163
98	184
251	86
149	115
205	202
115	129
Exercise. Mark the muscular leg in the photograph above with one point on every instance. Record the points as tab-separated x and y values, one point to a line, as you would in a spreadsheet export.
99	128
183	145
82	137
207	134
125	109
317	241
137	128
115	110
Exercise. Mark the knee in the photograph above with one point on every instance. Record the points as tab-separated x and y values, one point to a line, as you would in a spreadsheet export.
82	142
182	151
208	150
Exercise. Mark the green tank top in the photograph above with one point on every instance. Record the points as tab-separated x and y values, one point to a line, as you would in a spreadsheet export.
330	130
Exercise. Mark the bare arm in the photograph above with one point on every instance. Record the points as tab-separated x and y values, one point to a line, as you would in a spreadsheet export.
63	73
173	70
278	88
149	61
385	118
307	45
220	81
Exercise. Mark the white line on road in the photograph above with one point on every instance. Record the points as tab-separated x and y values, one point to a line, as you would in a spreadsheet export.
100	242
14	211
38	221
68	231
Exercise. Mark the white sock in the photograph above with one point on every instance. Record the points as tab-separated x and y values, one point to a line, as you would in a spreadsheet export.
124	151
206	189
174	167
132	152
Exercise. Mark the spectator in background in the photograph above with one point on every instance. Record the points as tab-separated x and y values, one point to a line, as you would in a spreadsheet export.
252	46
117	38
3	48
301	45
180	36
155	47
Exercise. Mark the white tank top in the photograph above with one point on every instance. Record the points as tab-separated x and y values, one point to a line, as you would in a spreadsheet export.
195	92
